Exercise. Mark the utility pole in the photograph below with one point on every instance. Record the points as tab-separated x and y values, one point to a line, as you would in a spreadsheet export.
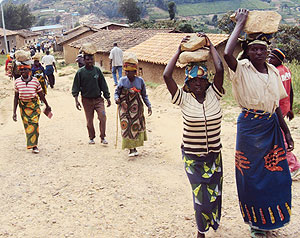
4	32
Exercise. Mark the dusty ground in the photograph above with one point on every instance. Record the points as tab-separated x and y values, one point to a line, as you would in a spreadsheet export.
72	189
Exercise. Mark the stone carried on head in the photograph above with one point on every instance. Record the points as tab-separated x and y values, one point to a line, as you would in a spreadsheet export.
88	49
129	57
194	56
22	55
261	22
194	43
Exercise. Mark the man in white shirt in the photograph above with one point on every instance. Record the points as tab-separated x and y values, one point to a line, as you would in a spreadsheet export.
49	62
116	62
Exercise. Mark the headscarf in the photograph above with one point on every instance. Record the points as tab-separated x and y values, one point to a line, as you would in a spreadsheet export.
278	53
195	70
129	66
261	39
130	61
24	64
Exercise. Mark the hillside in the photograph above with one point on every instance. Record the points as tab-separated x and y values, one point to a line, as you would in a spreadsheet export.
60	11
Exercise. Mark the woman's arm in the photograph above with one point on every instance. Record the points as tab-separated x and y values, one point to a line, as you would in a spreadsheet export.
43	98
219	76
171	84
285	129
16	99
241	17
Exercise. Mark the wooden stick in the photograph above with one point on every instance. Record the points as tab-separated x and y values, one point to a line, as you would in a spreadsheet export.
117	129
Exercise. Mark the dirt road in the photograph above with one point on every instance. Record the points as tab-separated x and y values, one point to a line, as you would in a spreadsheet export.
72	189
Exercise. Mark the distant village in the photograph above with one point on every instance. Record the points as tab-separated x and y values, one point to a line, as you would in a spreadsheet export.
154	48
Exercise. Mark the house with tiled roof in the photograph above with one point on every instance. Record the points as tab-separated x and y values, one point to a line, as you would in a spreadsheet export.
30	37
17	39
73	35
104	39
154	54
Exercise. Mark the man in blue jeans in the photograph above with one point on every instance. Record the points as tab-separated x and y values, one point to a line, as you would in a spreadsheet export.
116	62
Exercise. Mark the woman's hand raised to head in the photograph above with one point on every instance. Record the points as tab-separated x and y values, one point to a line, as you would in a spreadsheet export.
202	34
241	15
185	39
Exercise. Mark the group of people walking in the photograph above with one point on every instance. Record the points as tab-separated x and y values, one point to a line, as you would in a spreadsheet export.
263	141
130	94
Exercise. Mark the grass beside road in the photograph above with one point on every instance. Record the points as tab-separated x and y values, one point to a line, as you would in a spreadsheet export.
294	66
220	7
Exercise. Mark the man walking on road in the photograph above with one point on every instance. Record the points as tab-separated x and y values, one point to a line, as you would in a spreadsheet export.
116	62
90	81
49	62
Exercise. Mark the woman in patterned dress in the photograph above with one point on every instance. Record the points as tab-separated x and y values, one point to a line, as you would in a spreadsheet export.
27	88
262	174
130	94
199	101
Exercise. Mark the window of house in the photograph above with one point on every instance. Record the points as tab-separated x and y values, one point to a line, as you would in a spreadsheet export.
140	71
12	41
101	63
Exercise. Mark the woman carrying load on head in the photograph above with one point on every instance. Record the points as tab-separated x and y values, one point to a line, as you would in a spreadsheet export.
262	172
38	72
26	90
8	65
199	101
130	95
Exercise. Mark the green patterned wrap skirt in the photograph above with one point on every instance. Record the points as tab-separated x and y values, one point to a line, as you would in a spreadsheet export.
205	174
30	113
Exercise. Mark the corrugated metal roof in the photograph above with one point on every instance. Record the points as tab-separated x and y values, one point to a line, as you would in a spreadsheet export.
160	48
42	28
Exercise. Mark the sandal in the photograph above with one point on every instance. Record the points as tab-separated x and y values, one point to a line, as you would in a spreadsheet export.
255	233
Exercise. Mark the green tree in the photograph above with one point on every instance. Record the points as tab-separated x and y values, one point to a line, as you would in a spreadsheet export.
172	10
287	38
17	16
214	20
130	9
57	19
185	27
225	23
42	21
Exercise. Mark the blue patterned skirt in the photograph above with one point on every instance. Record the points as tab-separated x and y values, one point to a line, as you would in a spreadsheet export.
262	172
205	174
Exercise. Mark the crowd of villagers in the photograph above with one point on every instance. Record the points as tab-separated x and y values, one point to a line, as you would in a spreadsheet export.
262	172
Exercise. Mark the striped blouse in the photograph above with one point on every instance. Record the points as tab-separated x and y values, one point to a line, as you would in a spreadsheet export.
27	90
201	122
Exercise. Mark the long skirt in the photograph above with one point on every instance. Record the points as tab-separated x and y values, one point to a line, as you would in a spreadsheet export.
131	112
205	174
39	75
262	172
30	113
